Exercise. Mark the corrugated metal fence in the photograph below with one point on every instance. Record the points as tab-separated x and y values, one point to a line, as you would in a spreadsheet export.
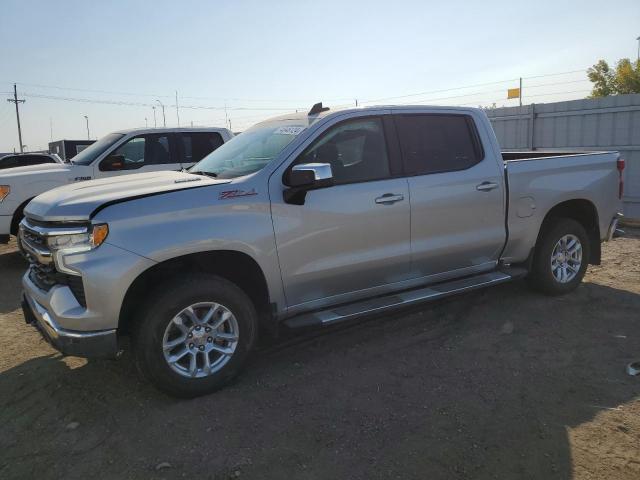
610	123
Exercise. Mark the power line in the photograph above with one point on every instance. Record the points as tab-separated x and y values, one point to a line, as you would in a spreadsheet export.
557	83
142	104
110	92
556	74
470	86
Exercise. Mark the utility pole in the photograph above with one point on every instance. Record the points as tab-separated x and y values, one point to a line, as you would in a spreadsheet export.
87	119
146	123
51	127
164	119
226	117
177	111
155	124
638	49
16	101
520	91
356	102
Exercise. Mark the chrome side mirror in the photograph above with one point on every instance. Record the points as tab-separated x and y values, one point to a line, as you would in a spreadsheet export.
304	177
311	175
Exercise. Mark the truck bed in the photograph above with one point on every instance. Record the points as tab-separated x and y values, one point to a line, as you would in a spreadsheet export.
538	181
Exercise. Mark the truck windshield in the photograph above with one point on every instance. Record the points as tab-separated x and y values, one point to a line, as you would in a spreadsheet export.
248	152
93	151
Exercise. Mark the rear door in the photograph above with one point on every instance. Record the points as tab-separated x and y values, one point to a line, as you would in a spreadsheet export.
194	146
457	195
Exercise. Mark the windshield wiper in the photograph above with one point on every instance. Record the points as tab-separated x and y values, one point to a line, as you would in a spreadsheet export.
208	174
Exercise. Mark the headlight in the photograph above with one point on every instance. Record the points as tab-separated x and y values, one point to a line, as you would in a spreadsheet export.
4	191
63	245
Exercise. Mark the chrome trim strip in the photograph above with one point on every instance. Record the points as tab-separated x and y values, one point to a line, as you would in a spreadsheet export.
53	231
43	256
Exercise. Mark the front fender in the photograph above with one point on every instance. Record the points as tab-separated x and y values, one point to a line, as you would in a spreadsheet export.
164	227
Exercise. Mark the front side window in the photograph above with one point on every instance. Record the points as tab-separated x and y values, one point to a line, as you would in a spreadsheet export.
93	151
437	143
356	151
144	150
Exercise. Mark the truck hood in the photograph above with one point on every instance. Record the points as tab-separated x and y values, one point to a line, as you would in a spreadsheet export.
77	201
42	169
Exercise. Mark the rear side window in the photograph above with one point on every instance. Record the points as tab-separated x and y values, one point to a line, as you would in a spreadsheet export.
437	143
8	162
197	145
24	160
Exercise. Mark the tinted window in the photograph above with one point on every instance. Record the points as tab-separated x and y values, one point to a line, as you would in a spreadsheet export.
8	162
24	160
437	143
356	151
36	159
145	150
197	145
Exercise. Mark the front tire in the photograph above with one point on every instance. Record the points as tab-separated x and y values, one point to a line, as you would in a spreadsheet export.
560	258
194	335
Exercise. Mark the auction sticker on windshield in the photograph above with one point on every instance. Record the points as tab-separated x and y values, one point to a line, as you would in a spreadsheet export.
289	130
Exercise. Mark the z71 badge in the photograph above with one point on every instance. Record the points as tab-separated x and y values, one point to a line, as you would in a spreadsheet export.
236	193
80	179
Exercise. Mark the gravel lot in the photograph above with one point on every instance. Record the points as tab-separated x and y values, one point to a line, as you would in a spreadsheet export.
502	383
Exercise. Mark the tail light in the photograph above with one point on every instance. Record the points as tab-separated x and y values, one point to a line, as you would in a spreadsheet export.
620	164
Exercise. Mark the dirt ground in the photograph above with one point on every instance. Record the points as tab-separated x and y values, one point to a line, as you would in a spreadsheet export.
502	383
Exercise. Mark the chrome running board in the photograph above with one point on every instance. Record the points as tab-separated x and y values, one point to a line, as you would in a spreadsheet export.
401	299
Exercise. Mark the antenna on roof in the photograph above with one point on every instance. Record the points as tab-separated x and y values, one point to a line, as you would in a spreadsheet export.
317	108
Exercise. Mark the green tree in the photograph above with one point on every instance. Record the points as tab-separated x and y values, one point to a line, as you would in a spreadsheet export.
625	78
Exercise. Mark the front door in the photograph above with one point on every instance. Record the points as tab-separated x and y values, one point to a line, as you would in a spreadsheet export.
349	239
143	153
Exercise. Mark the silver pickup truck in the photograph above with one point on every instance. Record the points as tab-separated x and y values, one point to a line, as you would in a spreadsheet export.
303	220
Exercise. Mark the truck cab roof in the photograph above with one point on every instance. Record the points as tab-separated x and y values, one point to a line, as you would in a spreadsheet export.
140	131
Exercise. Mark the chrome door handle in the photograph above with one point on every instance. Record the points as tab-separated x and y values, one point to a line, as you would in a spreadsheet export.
389	198
486	186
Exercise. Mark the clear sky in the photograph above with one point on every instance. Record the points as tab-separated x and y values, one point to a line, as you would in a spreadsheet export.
262	58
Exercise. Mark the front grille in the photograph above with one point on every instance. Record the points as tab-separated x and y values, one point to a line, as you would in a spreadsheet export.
43	273
44	276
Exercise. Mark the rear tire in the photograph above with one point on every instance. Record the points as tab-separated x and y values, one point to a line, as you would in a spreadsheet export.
194	320
560	258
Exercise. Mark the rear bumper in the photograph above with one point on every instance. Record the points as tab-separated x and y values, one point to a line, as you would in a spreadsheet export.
99	344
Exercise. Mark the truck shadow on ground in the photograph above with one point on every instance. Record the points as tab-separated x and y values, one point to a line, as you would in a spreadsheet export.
12	266
486	385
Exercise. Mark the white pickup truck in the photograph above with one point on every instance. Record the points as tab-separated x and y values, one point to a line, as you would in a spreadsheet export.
306	219
122	152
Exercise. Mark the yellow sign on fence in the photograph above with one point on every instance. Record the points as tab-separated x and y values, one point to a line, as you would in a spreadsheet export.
513	93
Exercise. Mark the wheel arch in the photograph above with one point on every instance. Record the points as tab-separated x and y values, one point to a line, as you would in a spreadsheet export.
237	267
17	216
584	212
